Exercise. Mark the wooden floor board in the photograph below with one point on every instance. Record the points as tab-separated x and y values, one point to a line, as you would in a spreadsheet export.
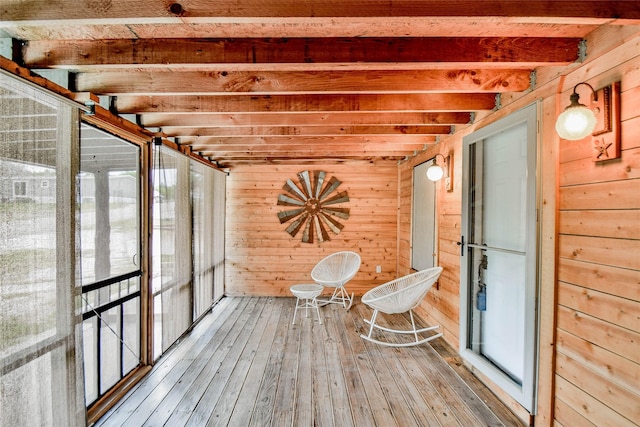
264	404
284	397
376	396
230	399
340	405
219	345
394	403
201	413
303	409
247	364
320	378
419	402
171	364
247	396
360	405
200	358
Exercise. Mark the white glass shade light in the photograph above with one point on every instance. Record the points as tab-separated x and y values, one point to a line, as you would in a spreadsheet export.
577	121
435	172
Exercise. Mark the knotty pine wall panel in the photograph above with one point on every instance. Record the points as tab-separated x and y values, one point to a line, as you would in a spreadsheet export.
597	363
590	267
263	259
441	305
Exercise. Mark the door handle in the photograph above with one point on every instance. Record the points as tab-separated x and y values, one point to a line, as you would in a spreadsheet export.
461	244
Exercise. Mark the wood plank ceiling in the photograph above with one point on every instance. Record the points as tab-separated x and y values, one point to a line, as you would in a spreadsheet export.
272	81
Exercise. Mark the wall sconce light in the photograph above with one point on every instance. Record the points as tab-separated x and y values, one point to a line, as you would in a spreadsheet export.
599	121
435	172
577	121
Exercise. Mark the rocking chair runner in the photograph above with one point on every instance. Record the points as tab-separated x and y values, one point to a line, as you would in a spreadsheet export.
399	296
335	271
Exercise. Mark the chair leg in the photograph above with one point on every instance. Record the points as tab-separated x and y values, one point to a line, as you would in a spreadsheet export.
315	304
339	296
350	299
345	297
307	304
414	331
295	311
413	324
372	322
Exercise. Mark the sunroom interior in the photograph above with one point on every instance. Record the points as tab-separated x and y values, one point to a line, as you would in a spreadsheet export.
163	162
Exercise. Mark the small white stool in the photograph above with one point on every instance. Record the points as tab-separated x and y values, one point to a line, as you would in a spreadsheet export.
308	293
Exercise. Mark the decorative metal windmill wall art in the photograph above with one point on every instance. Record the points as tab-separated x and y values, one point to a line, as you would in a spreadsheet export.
313	203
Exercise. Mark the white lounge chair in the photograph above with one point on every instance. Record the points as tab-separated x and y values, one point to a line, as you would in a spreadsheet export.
399	296
335	271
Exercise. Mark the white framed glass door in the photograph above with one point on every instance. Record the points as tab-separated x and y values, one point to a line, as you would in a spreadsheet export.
499	253
423	219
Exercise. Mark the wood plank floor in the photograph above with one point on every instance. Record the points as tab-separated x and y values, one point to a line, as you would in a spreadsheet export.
245	364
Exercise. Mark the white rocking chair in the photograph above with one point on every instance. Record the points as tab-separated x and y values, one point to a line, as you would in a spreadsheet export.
398	296
335	271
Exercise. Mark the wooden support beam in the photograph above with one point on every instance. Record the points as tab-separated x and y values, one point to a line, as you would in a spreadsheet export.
289	82
229	164
385	140
291	27
403	118
129	53
131	104
301	130
157	11
304	152
334	147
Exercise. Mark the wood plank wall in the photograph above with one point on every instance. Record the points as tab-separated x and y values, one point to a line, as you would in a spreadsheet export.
441	305
597	375
263	259
590	335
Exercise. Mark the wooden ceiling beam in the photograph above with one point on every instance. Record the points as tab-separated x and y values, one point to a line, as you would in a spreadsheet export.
405	26
155	11
131	104
289	82
332	148
307	160
386	140
276	152
402	118
522	51
302	130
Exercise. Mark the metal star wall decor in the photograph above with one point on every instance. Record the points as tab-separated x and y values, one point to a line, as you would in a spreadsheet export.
314	211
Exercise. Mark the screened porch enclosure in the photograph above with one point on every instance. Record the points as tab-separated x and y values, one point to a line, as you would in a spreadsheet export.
110	246
80	206
41	380
181	259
